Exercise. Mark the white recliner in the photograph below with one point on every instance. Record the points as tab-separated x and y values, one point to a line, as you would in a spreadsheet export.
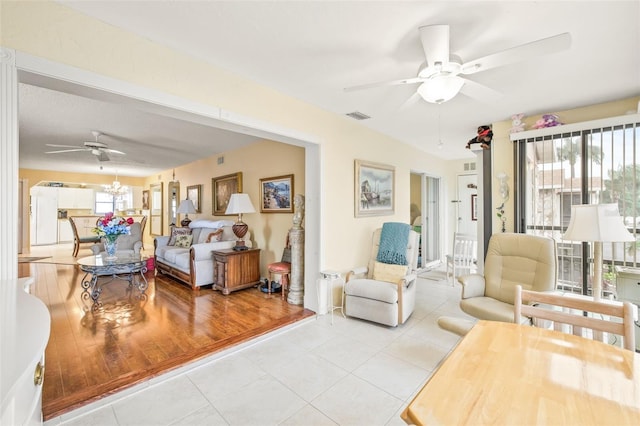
378	292
127	243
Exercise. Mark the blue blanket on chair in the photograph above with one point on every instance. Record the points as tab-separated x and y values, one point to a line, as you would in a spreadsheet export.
393	243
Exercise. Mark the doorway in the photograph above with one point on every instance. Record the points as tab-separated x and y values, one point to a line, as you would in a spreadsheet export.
425	198
467	204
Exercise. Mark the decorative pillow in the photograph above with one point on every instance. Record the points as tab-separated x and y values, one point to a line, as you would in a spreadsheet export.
184	240
214	236
388	272
175	232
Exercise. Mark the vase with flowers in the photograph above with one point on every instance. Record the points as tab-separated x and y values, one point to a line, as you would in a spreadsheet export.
110	227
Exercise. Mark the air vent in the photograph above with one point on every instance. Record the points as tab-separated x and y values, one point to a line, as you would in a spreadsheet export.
358	115
469	167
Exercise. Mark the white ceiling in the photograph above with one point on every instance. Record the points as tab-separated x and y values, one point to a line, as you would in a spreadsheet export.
312	50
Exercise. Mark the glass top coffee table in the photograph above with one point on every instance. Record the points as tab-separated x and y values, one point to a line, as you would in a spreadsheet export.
126	267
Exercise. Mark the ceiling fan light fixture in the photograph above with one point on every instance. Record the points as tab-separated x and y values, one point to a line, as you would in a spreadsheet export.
440	89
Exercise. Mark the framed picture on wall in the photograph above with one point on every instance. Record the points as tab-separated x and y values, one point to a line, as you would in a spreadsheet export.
374	189
276	194
193	194
145	199
222	188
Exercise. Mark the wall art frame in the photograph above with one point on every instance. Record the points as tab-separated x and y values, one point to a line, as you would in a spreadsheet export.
222	187
276	194
194	193
374	192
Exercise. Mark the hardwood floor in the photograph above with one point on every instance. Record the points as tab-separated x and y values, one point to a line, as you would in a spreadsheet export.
131	339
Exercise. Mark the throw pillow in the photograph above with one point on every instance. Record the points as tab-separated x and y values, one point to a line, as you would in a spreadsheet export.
214	236
175	232
184	241
388	272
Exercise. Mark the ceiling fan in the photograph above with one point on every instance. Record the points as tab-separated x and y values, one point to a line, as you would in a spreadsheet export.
99	149
440	76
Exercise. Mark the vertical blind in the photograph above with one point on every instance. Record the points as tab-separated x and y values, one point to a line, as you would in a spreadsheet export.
588	163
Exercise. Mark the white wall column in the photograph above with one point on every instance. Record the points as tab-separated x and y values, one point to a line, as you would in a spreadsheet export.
9	161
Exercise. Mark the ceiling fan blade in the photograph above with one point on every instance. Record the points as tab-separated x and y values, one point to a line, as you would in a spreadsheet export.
113	151
523	52
479	91
63	146
66	150
435	43
413	99
384	83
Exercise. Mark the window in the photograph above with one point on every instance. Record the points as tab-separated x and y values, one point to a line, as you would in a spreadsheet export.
587	164
105	203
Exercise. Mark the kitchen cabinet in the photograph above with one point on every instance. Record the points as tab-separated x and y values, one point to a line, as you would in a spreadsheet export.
65	233
75	198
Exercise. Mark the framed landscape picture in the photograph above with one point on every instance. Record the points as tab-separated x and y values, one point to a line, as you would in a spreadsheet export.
276	194
374	189
193	194
222	188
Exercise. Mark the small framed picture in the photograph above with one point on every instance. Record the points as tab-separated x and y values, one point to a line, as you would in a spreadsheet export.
145	199
222	188
374	189
193	194
276	194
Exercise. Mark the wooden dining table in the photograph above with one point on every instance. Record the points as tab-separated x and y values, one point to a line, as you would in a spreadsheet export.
510	374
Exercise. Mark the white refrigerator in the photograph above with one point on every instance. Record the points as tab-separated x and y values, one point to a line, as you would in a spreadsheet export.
44	215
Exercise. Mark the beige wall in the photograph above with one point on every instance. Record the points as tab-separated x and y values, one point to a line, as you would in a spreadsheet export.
36	176
52	31
502	147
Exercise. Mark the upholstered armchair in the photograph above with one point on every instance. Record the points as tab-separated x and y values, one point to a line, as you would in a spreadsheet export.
383	293
512	259
127	243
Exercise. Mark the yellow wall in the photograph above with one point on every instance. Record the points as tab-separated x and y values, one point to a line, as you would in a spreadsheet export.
36	176
55	32
502	147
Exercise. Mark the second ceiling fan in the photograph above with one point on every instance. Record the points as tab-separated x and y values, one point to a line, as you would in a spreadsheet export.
440	76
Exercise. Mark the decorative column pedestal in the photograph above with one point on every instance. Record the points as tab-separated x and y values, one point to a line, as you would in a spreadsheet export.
296	239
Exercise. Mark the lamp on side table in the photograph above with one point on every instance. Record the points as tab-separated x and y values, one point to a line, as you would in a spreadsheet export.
186	207
239	204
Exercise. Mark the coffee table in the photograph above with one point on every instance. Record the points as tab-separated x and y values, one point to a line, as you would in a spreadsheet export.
126	267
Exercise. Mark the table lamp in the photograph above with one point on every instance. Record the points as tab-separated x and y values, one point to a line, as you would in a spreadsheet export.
239	204
186	207
599	223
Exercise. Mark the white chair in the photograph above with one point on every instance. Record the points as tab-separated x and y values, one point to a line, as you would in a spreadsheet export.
568	312
379	292
127	243
463	257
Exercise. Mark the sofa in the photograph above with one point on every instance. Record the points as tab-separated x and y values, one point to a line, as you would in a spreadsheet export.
190	260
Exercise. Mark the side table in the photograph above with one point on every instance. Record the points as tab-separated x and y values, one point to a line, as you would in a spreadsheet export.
331	278
235	270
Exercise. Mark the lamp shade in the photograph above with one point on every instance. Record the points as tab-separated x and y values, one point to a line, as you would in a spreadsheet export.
597	222
240	203
186	207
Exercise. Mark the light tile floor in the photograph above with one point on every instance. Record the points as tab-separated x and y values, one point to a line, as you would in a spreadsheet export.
351	372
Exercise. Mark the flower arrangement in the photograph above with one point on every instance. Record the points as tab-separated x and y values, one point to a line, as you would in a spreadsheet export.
111	225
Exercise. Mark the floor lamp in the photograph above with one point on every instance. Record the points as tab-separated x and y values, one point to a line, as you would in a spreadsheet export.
598	223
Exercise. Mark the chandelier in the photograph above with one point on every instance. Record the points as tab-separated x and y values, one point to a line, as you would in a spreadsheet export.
115	189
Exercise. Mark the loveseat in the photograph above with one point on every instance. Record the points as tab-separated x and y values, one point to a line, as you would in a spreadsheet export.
190	260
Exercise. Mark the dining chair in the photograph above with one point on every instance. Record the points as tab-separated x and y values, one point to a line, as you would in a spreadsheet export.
463	257
578	314
143	224
77	240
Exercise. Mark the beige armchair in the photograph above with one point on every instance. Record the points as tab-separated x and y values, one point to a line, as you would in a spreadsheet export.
127	244
512	259
379	294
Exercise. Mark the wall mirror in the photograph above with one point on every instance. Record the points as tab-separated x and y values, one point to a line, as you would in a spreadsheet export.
156	208
173	198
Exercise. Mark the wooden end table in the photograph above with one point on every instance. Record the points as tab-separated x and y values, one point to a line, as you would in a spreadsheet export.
235	270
